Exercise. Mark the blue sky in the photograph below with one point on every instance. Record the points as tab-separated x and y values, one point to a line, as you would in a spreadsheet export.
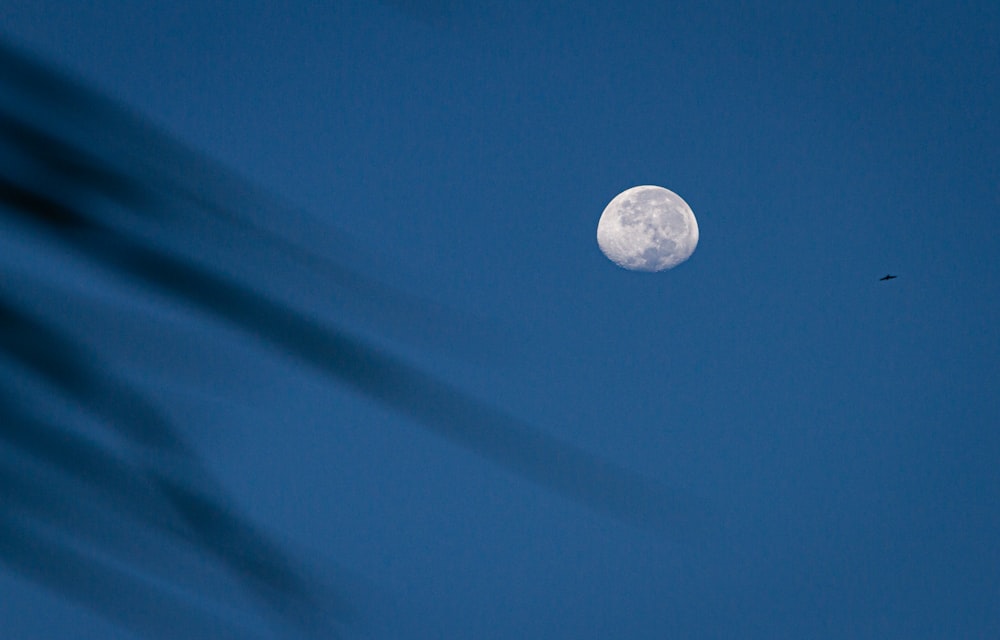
832	438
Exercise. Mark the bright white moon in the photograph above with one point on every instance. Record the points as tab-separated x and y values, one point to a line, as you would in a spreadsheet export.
647	228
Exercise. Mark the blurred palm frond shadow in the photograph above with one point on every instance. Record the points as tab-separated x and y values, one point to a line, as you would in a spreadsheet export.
107	505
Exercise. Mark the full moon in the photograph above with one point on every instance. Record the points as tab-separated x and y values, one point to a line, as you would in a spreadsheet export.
647	228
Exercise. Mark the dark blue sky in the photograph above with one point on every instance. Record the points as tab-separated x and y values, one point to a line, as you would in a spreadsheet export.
833	438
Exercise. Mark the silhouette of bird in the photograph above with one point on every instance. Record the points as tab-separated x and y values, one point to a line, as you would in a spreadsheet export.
888	276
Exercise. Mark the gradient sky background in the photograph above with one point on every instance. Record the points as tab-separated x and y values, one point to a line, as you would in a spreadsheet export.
835	437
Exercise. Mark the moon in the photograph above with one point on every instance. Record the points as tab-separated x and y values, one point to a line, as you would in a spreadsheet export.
647	228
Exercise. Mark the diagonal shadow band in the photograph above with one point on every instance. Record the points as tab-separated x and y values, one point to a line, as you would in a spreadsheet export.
351	361
161	486
116	593
348	359
62	193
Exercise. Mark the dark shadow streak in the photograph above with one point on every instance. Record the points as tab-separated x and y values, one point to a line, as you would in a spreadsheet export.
97	209
157	492
449	413
124	598
64	365
446	411
174	194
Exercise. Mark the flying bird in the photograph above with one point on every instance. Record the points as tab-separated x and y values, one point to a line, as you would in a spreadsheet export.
888	276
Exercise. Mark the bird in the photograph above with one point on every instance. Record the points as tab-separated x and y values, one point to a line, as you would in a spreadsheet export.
888	276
